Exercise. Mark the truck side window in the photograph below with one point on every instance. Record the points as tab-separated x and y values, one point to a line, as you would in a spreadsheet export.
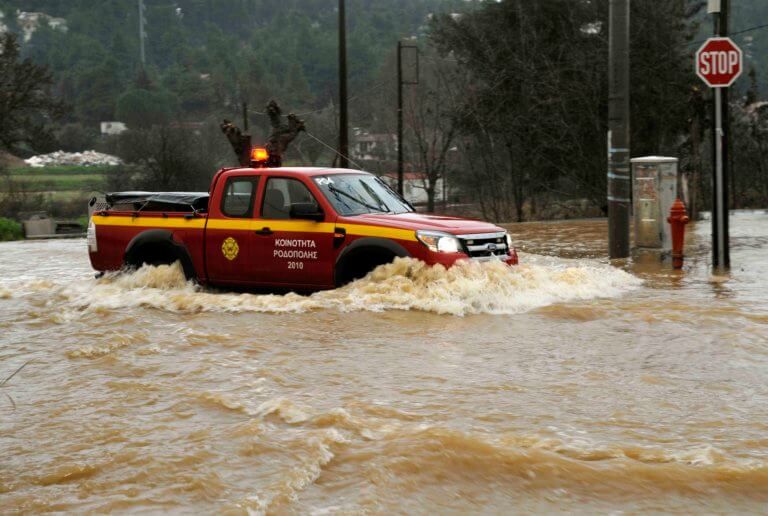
280	193
239	193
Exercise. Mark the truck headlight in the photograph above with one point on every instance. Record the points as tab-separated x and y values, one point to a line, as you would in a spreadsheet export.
439	242
509	242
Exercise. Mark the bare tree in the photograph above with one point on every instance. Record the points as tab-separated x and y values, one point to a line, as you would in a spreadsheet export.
431	122
167	158
277	143
282	134
537	96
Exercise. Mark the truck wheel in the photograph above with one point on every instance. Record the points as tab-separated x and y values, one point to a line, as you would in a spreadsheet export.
150	254
357	264
364	255
158	248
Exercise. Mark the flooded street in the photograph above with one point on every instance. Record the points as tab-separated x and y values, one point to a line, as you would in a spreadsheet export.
562	385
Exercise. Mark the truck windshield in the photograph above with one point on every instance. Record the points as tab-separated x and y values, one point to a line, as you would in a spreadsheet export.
355	194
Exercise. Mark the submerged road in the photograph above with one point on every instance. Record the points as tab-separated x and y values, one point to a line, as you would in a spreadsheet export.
562	385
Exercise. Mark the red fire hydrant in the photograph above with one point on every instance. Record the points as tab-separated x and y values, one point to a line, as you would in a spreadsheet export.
677	219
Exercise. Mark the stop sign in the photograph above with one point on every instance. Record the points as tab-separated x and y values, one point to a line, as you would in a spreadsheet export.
719	62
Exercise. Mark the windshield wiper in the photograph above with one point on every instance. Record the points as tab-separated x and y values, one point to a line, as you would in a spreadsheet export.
396	195
338	192
375	197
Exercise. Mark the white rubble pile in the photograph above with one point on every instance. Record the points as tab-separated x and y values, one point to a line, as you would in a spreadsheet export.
86	159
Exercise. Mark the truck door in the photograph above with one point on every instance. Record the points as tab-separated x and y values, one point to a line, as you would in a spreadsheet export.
233	251
298	251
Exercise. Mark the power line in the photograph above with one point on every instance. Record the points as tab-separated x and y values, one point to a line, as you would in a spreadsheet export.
751	29
758	27
331	148
368	91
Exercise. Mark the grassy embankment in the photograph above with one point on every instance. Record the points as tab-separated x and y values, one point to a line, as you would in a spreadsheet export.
62	182
61	191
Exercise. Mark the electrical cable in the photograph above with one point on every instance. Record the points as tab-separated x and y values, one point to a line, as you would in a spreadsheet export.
372	89
321	142
751	29
758	27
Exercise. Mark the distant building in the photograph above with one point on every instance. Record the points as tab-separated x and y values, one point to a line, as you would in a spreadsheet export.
30	21
414	186
373	146
113	128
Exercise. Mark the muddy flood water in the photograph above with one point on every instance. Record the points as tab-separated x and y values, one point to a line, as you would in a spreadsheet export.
562	385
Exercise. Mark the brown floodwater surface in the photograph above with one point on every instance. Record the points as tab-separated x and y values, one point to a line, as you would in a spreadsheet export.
565	384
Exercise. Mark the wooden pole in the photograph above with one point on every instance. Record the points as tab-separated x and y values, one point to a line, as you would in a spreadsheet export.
343	120
619	177
400	165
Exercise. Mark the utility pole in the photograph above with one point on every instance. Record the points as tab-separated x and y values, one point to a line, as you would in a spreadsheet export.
413	78
343	121
619	178
142	33
721	135
400	166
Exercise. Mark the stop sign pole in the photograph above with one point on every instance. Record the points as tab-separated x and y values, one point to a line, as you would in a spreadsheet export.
719	62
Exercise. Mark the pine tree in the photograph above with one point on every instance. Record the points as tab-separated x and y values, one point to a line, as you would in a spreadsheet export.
28	104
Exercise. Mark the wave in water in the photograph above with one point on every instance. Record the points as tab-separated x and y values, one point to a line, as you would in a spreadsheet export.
405	284
408	455
547	464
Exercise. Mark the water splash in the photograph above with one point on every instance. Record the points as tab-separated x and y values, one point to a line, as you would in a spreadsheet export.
406	284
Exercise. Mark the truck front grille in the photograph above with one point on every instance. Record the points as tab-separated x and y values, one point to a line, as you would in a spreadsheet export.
485	246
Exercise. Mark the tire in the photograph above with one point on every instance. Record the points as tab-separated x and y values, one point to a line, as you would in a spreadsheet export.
364	255
157	247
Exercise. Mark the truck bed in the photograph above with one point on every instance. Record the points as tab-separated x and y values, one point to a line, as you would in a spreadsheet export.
151	202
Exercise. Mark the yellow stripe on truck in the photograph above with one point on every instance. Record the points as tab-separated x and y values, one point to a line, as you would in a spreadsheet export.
292	226
379	231
148	222
296	226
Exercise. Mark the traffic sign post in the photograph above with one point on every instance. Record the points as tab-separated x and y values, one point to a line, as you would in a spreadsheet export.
719	62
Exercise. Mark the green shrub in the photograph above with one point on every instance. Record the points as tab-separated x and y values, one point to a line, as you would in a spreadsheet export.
75	138
10	230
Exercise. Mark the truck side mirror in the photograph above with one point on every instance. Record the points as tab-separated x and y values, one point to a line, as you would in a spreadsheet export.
307	211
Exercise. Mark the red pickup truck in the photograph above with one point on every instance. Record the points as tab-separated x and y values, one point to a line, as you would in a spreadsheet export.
285	228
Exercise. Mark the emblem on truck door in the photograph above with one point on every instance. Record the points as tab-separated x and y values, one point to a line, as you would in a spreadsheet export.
229	248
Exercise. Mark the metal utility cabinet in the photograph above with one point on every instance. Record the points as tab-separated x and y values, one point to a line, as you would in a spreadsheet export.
654	189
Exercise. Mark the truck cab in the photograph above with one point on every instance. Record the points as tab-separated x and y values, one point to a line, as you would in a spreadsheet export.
285	228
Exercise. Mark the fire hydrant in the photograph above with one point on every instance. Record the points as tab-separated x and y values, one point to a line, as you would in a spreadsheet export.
678	219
